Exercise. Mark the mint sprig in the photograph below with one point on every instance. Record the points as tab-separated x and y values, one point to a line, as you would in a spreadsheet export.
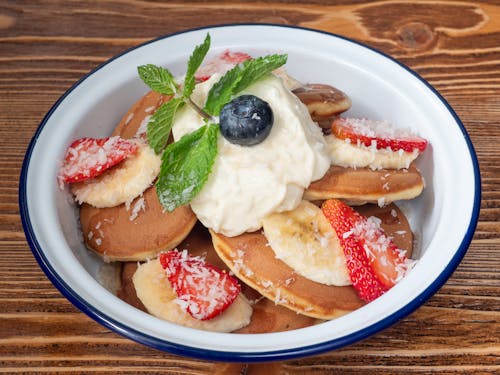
162	81
239	78
186	165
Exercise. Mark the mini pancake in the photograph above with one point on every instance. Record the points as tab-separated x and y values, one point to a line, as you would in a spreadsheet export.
116	235
266	317
113	232
364	185
324	102
253	261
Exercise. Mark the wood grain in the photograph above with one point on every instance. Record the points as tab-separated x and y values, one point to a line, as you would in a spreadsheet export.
46	46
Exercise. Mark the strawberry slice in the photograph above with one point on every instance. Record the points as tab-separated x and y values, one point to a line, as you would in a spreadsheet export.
221	64
378	133
89	157
203	290
374	262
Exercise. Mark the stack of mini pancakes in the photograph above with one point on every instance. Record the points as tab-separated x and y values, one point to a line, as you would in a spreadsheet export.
280	298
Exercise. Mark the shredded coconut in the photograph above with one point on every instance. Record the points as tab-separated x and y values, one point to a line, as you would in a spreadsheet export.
266	283
381	202
139	205
143	126
129	118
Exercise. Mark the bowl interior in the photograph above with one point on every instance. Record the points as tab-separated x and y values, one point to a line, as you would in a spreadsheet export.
379	88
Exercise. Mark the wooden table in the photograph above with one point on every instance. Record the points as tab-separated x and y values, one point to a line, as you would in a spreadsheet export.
45	46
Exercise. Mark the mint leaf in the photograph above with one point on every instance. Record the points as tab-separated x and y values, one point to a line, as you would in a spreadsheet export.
194	63
186	165
255	69
160	124
158	79
222	91
238	79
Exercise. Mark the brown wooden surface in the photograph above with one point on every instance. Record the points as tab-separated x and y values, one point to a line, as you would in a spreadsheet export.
45	46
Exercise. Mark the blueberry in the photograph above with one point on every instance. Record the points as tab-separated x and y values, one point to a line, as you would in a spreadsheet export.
246	120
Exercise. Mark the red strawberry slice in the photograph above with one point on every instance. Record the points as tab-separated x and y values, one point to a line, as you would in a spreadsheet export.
374	262
89	157
379	133
203	290
221	64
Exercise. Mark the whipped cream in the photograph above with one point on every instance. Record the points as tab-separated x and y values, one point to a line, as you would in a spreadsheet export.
249	183
345	154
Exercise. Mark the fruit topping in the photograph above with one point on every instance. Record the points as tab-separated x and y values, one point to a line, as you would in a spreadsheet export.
246	120
374	262
123	183
378	134
304	239
203	290
89	157
221	64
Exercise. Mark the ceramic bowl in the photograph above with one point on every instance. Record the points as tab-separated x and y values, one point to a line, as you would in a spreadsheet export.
443	217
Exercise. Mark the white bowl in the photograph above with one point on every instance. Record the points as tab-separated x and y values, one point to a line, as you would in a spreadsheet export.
443	217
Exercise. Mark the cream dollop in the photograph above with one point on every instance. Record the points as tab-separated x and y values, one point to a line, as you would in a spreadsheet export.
249	183
346	154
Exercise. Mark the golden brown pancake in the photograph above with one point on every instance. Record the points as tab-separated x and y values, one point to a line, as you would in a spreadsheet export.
253	261
324	102
364	185
112	233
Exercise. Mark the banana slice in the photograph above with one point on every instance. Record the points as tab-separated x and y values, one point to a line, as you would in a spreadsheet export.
156	294
349	155
304	239
122	183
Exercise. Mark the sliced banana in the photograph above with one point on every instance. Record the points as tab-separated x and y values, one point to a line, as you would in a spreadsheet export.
304	239
349	155
122	183
156	294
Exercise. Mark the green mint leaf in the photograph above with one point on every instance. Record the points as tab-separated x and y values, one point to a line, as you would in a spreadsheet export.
222	91
186	165
255	69
238	79
194	63
158	79
160	124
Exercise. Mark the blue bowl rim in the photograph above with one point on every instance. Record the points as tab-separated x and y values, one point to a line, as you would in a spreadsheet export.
261	356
